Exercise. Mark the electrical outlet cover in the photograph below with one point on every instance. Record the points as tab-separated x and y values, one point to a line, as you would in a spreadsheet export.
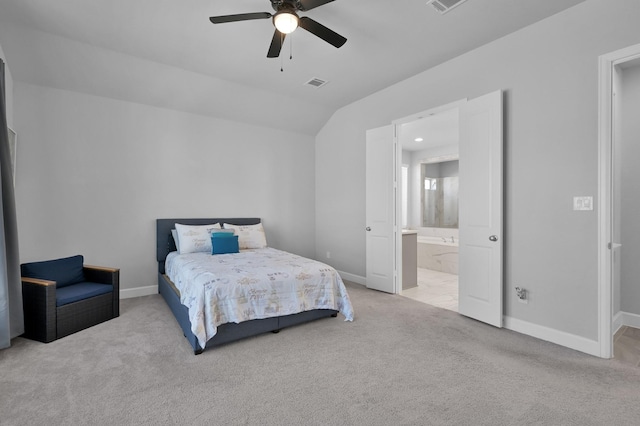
582	203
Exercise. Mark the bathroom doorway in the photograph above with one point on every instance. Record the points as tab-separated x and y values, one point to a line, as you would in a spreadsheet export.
480	223
619	316
429	205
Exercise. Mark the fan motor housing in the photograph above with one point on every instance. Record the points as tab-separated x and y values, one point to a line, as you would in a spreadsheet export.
279	5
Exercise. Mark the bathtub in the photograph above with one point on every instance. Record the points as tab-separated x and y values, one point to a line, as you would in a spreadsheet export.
437	254
440	241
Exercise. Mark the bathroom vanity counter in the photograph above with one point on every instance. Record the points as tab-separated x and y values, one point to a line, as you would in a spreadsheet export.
409	259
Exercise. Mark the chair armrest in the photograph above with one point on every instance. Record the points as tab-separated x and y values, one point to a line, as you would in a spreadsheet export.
39	305
101	268
37	281
106	275
101	274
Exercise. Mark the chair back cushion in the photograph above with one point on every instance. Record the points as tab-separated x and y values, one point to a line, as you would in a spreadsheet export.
64	272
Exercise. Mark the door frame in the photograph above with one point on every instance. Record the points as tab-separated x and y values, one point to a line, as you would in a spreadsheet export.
606	124
398	168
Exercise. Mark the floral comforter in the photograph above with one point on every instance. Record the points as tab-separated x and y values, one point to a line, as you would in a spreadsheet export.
252	284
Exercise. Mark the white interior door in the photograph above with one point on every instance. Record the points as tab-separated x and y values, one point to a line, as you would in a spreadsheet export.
380	208
480	209
616	193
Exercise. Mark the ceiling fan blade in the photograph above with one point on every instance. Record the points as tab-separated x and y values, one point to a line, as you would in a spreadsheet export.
321	31
276	44
312	4
240	17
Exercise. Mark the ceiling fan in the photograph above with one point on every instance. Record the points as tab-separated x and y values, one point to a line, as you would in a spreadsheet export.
286	20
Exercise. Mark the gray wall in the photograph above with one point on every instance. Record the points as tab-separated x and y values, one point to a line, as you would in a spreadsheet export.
549	74
630	191
444	169
94	173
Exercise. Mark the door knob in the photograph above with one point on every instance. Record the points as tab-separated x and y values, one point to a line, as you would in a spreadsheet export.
493	238
368	228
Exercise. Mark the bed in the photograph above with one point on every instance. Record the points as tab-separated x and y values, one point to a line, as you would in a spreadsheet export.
190	299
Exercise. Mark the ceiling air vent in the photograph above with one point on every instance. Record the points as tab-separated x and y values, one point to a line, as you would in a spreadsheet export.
316	82
444	6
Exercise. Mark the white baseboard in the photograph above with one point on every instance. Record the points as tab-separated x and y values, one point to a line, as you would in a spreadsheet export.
578	343
353	278
625	318
128	293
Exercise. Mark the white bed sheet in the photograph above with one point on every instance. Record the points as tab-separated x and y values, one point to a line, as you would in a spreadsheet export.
252	284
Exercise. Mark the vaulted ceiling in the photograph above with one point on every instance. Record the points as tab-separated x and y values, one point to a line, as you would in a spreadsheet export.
166	53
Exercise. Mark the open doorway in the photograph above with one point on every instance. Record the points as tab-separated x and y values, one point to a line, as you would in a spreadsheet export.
480	289
619	234
625	208
625	220
430	182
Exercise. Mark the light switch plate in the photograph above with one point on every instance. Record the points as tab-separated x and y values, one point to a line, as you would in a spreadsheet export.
582	203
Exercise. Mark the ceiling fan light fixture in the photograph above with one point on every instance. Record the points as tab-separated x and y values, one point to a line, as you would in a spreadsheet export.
286	21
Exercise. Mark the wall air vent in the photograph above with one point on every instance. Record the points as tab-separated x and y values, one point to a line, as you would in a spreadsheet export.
316	82
444	6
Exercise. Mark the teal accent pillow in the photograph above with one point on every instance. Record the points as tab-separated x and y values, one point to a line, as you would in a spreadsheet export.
227	232
224	243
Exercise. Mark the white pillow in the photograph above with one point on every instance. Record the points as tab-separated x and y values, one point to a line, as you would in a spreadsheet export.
194	239
174	234
249	236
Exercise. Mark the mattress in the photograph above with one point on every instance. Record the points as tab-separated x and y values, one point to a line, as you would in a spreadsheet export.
252	284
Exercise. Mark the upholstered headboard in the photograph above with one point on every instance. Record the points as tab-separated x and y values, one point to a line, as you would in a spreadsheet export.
164	240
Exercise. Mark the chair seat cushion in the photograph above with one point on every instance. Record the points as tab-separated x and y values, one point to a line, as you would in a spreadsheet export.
75	292
64	272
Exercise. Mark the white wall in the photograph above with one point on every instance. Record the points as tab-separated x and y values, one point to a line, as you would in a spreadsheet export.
550	77
94	173
630	191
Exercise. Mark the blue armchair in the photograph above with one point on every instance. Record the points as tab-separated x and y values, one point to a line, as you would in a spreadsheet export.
64	296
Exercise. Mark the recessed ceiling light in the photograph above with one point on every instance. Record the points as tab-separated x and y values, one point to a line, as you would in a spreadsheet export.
418	139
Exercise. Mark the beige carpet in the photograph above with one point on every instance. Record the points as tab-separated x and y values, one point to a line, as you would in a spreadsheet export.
400	362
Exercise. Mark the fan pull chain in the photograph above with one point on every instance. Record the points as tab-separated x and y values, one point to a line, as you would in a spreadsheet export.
290	48
281	60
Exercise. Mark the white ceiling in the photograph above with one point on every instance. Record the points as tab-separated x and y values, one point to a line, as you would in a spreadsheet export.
167	53
434	129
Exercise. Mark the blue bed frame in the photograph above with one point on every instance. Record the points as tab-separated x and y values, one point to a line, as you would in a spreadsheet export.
226	332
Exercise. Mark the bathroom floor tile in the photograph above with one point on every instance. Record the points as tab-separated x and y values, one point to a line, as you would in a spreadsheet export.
626	345
435	288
